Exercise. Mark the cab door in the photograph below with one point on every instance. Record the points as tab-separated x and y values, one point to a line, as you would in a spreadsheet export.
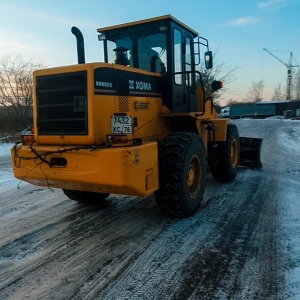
184	90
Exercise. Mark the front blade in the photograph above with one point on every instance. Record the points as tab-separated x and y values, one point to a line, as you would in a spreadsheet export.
250	152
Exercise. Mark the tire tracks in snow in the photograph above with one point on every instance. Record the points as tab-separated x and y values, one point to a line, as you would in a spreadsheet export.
53	248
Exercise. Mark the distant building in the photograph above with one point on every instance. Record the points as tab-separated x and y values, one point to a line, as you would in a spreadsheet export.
263	109
284	105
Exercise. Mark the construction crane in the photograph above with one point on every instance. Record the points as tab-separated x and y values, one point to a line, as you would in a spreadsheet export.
289	66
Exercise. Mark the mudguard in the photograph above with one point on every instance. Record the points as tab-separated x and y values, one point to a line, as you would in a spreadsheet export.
250	152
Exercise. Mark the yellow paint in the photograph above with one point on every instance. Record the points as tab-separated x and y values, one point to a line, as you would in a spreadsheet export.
122	169
165	17
109	170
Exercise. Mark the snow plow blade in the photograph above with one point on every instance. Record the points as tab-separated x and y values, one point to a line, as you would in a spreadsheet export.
250	152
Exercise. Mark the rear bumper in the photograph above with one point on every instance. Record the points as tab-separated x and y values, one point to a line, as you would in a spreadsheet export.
119	170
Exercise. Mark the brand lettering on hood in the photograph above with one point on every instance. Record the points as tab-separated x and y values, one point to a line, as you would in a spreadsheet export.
140	85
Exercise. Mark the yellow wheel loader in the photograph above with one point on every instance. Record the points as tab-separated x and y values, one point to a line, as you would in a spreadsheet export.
141	122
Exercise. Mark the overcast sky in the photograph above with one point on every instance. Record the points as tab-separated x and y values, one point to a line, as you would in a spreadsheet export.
237	30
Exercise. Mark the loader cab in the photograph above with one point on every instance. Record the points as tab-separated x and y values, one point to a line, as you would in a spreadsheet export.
161	45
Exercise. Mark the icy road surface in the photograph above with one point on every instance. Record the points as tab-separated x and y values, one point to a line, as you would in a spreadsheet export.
243	243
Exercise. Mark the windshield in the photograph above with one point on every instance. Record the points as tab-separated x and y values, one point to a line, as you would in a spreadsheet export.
147	52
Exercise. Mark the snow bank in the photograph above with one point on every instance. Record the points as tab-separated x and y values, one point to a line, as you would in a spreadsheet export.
5	149
6	174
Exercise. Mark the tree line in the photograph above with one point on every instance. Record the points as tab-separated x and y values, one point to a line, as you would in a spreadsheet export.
16	93
255	93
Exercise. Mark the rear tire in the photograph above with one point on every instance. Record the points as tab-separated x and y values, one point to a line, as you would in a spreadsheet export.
227	155
182	174
86	197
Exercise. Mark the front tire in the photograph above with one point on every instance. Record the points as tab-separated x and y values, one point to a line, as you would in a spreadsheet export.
227	156
86	197
182	174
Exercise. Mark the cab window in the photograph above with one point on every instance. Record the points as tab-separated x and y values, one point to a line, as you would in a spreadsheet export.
177	56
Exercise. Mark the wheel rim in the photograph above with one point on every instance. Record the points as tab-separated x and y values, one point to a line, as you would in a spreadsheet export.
194	176
234	153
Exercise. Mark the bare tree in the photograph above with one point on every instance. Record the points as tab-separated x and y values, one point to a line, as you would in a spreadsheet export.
16	89
277	93
221	71
255	92
232	102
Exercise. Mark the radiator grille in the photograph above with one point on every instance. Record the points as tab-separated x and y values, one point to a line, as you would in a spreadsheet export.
62	104
123	92
123	104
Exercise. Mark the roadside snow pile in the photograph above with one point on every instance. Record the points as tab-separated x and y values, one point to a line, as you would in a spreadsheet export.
276	118
6	174
5	148
291	141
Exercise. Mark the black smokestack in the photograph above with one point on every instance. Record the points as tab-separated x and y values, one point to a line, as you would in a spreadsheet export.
80	44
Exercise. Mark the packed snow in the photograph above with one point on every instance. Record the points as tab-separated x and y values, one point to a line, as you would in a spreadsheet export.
6	175
289	143
5	149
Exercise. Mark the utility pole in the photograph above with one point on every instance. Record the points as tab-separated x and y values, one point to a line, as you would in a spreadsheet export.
289	66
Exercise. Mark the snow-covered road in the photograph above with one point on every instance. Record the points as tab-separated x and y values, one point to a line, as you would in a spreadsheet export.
243	243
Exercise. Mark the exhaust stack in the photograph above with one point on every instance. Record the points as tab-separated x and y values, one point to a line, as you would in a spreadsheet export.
80	44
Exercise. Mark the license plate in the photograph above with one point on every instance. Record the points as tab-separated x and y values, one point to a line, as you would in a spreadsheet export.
121	124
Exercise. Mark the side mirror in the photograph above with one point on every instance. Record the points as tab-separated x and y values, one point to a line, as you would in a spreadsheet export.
216	85
208	59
